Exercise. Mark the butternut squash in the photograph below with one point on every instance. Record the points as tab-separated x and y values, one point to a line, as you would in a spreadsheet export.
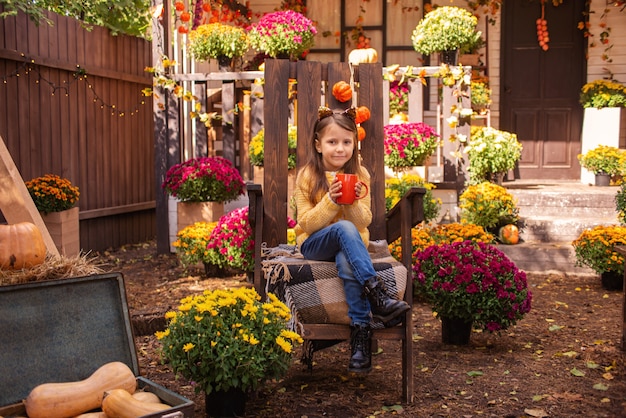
144	396
96	414
118	403
68	399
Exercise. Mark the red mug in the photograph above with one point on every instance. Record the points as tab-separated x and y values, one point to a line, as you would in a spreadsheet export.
348	185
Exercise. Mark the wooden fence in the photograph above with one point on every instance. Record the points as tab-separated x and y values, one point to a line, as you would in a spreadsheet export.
171	134
71	104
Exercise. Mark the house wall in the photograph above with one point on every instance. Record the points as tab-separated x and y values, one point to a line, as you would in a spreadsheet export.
597	68
616	20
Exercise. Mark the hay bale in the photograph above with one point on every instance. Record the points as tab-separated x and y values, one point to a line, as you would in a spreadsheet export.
54	267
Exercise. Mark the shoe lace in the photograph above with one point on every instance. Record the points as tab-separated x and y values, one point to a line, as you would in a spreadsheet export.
361	336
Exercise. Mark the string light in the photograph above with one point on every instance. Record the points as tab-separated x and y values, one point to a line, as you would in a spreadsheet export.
29	66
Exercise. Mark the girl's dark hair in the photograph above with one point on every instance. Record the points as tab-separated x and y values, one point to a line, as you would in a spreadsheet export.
315	163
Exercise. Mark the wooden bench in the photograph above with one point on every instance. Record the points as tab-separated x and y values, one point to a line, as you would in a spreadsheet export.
269	202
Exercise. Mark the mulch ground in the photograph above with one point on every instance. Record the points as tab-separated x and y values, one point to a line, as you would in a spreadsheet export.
563	359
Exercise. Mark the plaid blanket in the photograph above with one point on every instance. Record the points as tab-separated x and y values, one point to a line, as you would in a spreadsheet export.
312	289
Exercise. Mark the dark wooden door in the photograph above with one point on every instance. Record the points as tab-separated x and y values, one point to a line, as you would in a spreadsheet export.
539	89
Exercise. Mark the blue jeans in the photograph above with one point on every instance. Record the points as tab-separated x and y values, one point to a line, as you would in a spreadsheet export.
342	243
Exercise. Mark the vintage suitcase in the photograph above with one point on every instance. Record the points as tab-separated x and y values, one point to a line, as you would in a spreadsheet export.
63	330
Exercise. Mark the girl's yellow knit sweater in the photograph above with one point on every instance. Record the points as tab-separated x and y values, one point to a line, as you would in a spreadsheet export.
313	216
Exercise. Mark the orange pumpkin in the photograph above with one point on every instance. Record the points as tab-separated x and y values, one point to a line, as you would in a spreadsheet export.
342	91
509	234
21	246
362	114
361	133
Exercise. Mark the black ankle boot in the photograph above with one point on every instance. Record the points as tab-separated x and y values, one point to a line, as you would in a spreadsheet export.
383	306
361	349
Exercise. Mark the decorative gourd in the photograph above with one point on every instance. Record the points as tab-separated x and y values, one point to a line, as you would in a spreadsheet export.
144	396
21	246
68	399
360	133
509	234
363	56
118	403
342	91
362	114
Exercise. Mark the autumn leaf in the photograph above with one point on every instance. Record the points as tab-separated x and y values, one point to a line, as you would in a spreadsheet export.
600	386
539	413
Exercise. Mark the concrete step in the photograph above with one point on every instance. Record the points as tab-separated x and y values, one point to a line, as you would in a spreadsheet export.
563	228
543	257
553	214
574	200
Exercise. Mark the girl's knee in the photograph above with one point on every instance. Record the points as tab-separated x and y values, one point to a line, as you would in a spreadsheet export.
346	226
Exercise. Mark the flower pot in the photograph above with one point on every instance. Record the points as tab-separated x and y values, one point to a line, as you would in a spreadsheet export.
211	270
455	331
64	229
191	212
230	403
470	59
449	57
603	180
224	63
612	280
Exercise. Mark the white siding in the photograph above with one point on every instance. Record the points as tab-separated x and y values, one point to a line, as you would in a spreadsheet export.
615	20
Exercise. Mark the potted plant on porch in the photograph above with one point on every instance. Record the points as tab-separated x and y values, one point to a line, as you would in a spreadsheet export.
603	101
595	248
409	144
282	34
471	284
218	41
605	162
445	29
492	153
226	343
202	185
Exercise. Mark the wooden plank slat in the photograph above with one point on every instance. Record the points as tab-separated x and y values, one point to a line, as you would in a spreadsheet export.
15	201
276	148
309	87
370	95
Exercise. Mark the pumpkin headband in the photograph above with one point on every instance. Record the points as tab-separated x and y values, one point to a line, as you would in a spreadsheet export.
324	112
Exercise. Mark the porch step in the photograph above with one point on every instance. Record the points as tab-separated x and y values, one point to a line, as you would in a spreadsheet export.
560	211
553	214
544	257
557	229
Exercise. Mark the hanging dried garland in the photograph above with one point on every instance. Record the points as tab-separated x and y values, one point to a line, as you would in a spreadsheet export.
542	28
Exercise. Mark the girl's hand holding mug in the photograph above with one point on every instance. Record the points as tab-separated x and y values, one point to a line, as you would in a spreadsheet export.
351	189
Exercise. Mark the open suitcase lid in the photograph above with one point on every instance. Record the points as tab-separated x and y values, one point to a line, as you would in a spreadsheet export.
62	331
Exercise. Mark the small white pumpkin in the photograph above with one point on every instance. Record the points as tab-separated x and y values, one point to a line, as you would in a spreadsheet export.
362	56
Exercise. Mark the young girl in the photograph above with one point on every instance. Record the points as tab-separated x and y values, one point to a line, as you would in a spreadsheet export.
328	231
